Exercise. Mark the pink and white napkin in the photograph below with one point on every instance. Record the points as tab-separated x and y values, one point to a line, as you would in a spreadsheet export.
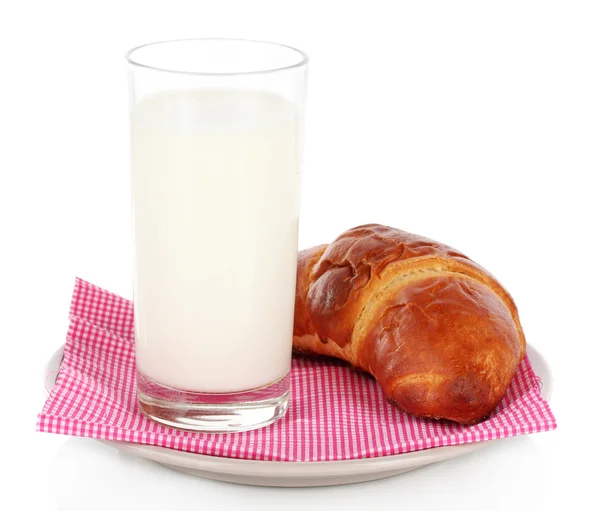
335	413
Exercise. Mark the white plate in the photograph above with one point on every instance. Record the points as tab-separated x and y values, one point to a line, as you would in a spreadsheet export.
281	473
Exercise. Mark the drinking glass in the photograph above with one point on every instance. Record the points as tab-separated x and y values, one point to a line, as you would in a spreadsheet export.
216	146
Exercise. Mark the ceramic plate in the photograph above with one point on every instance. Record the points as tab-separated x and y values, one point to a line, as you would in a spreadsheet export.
278	473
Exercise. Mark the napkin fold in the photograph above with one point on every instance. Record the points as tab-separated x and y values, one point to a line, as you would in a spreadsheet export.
335	413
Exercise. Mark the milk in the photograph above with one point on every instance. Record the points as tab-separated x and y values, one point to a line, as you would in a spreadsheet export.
215	181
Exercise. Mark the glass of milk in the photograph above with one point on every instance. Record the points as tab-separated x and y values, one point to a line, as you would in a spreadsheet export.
216	133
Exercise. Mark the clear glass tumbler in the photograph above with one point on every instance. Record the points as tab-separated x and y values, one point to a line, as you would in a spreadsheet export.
216	134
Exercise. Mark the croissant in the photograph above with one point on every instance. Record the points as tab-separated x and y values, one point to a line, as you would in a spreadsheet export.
438	332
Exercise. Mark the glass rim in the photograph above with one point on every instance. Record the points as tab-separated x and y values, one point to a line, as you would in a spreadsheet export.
302	62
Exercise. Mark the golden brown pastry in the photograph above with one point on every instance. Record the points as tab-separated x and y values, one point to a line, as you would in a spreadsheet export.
437	331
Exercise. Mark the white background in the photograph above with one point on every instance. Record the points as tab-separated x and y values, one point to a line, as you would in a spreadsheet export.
473	123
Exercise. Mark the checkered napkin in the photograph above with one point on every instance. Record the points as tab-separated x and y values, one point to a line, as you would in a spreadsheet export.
334	413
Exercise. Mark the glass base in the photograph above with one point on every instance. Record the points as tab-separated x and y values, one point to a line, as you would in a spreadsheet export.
213	413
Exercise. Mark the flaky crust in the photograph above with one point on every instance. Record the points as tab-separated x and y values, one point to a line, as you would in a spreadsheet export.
437	331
